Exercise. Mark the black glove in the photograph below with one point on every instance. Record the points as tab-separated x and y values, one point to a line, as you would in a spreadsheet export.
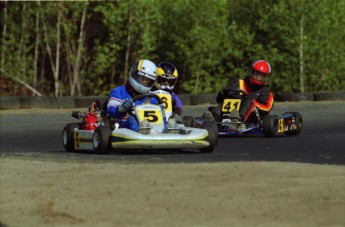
245	106
126	105
175	109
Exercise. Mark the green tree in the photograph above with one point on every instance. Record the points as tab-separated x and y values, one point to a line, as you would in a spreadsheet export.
324	45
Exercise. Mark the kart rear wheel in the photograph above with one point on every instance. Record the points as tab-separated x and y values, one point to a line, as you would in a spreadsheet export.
187	121
269	125
212	137
67	136
101	140
299	124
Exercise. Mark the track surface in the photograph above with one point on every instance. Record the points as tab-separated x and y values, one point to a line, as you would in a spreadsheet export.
38	136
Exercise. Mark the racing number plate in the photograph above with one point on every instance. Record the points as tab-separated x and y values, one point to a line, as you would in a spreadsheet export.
153	116
230	105
77	141
166	99
281	125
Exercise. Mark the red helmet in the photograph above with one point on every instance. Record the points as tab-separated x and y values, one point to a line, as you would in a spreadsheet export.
259	71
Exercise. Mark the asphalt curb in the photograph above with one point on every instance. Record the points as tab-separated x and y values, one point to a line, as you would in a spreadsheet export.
29	102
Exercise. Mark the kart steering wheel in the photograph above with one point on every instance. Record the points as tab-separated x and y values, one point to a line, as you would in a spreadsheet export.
148	95
244	94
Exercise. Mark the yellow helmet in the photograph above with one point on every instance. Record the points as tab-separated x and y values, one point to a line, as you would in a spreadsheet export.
167	76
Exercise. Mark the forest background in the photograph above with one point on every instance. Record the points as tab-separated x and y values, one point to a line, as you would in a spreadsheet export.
83	48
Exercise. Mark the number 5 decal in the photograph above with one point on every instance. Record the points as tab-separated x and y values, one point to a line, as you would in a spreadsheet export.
153	116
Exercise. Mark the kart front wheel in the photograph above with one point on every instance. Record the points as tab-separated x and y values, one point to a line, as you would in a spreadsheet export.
101	140
212	137
269	125
67	136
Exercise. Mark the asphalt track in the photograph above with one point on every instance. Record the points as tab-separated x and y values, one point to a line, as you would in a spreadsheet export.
37	135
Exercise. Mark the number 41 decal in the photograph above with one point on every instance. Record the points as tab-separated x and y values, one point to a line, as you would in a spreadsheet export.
231	104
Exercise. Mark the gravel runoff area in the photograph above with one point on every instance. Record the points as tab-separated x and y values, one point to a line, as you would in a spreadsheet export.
48	193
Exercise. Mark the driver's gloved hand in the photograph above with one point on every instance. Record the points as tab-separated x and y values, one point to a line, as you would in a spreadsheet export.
126	105
173	103
175	108
246	106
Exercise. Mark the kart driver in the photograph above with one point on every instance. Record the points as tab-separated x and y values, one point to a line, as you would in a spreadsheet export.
258	100
141	79
167	77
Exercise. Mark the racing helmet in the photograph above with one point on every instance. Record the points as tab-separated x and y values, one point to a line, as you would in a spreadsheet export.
167	76
258	72
143	76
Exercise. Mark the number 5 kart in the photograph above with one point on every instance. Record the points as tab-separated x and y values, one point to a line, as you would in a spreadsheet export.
102	135
289	123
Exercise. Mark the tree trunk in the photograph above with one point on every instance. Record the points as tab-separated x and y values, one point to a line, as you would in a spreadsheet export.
20	49
4	33
34	91
57	58
37	43
54	67
113	73
301	29
128	46
197	79
76	65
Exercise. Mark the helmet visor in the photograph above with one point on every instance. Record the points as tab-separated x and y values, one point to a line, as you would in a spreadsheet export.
259	76
166	81
144	79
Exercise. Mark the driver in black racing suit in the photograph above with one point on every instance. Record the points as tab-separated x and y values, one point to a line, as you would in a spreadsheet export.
258	100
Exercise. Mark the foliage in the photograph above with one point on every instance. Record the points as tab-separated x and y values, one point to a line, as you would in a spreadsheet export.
209	41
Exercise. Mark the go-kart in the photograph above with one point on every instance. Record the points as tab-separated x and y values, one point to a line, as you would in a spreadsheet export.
102	135
289	123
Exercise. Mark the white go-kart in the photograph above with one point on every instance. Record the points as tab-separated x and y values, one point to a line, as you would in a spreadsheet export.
106	136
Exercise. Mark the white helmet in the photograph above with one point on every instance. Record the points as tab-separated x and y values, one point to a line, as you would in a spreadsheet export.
142	76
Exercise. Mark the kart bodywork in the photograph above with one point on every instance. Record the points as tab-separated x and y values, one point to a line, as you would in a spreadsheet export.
289	123
107	136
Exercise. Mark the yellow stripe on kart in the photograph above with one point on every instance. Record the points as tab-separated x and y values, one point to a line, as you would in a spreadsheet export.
150	140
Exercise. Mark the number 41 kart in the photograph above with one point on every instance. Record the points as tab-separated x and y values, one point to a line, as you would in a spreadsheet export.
289	123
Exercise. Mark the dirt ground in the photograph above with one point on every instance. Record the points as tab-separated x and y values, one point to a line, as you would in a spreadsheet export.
47	193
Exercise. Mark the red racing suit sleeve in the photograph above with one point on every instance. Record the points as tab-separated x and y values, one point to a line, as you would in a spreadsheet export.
261	98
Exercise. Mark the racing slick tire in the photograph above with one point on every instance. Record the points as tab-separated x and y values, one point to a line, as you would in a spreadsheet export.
299	124
215	128
269	125
188	121
67	136
101	140
212	137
